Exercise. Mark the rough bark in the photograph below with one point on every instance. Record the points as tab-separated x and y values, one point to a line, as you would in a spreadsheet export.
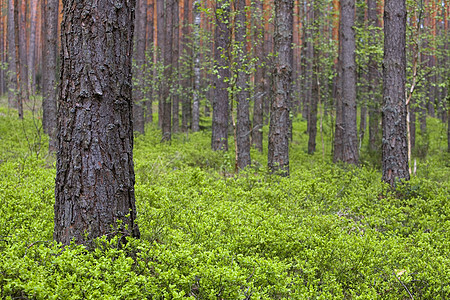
257	134
160	32
278	154
187	81
312	85
219	139
242	96
349	129
95	176
394	142
32	48
11	57
23	50
150	46
19	83
50	10
166	85
139	61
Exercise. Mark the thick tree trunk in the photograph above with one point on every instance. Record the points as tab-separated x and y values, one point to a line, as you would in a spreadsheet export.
278	154
12	103
348	108
257	134
50	9
168	54
95	176
219	139
195	125
139	61
242	96
394	145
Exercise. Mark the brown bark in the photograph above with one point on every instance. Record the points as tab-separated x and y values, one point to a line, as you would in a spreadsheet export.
139	61
394	143
278	154
150	46
195	123
347	120
23	50
187	80
242	96
95	176
19	83
160	32
50	9
11	57
32	48
176	75
257	134
219	139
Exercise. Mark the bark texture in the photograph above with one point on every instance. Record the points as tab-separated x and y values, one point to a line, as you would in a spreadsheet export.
242	96
394	142
195	124
11	56
219	139
167	83
347	121
50	10
95	175
139	61
278	154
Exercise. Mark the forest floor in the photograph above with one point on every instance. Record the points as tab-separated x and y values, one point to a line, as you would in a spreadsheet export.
326	232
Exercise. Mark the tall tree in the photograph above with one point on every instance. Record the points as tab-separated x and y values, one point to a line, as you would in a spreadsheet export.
23	50
95	175
219	139
346	112
138	66
32	48
11	56
21	90
175	65
394	143
242	90
187	80
258	94
160	32
149	58
49	10
195	124
278	155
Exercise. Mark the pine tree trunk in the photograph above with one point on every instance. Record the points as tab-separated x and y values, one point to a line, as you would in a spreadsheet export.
23	50
242	97
166	85
20	93
195	125
50	10
186	82
394	145
219	139
95	176
12	103
257	134
150	46
138	71
160	32
176	73
32	47
278	154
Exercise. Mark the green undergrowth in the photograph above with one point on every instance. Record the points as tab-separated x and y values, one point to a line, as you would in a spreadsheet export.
327	232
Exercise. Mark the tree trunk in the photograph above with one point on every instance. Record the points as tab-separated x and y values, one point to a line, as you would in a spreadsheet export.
242	96
348	108
187	80
32	47
150	46
257	134
19	83
312	73
168	54
219	139
394	145
160	32
195	125
23	50
11	57
50	9
95	176
176	72
278	154
139	61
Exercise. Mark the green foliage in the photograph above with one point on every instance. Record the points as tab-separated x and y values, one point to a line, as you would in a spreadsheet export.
327	232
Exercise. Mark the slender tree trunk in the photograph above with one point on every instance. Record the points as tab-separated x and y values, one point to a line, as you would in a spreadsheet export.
95	176
278	154
12	103
50	9
268	49
176	73
242	96
312	73
348	109
23	50
150	46
168	80
187	53
219	140
138	71
32	47
394	146
257	134
195	123
160	32
19	82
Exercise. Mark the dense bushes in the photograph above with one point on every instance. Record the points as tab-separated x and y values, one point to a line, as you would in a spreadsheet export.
327	232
